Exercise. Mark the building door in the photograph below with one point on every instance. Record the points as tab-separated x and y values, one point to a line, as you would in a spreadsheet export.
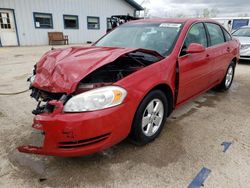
8	36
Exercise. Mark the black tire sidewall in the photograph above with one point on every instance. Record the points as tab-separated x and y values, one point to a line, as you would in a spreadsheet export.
136	132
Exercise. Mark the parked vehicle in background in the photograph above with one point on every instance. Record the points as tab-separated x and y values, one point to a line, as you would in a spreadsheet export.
243	35
127	83
233	23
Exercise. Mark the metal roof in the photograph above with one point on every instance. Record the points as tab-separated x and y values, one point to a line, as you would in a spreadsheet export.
134	4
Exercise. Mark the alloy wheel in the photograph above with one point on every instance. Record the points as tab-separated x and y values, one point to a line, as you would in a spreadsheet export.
152	117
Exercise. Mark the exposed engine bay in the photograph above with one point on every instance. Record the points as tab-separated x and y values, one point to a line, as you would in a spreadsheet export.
103	76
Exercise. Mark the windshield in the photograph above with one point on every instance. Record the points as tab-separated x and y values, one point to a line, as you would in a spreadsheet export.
158	37
243	32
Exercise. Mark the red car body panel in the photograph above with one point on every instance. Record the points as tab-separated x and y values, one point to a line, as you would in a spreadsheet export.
56	74
66	133
74	134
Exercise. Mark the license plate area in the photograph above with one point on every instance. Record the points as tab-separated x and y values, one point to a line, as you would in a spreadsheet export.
37	138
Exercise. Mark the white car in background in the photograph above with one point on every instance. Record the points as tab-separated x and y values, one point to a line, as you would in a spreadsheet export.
233	23
243	34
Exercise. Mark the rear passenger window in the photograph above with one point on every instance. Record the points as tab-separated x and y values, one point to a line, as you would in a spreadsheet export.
216	34
227	35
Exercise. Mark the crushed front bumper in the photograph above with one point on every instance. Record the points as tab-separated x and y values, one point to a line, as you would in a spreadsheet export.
75	134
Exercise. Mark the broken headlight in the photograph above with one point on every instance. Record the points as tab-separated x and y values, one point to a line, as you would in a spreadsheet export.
96	99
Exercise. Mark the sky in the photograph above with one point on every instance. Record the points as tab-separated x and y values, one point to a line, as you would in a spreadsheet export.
195	8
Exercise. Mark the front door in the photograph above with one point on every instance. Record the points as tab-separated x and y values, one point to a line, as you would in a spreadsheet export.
8	36
194	68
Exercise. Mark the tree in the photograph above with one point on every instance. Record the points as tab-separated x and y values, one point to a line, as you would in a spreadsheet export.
243	15
146	12
197	13
145	4
214	12
180	15
206	13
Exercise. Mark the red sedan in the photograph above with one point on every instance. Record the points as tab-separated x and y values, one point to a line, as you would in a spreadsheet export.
127	83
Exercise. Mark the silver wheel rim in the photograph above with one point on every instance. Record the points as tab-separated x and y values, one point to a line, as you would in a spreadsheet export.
152	117
229	76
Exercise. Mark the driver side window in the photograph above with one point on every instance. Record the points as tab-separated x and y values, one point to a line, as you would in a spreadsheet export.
197	34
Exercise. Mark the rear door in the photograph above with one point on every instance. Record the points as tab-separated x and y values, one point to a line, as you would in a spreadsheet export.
193	68
220	52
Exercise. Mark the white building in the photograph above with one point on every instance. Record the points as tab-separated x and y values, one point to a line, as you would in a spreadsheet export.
27	22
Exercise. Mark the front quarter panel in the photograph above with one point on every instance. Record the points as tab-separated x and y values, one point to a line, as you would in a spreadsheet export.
140	83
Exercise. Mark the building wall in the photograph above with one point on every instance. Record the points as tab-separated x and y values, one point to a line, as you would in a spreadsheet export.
29	35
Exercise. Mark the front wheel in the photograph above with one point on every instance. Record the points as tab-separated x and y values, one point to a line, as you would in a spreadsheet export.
228	79
149	118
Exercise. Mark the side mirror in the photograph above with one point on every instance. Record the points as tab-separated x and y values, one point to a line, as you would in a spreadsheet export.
195	48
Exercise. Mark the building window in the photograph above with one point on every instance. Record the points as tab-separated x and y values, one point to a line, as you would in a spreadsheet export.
93	22
5	20
70	22
109	24
43	20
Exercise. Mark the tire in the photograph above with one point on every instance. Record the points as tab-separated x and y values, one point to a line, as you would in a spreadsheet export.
149	119
228	79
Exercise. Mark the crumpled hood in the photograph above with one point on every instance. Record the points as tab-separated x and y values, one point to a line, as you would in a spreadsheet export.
60	70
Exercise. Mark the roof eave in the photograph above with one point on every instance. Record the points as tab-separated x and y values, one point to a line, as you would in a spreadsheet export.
135	5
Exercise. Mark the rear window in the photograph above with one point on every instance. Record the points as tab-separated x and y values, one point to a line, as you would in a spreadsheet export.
216	34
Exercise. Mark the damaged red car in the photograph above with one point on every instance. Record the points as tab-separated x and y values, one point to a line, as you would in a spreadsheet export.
127	83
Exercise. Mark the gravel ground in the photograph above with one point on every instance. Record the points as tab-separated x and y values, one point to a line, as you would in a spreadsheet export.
190	140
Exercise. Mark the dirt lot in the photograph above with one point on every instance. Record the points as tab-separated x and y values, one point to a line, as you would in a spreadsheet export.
190	140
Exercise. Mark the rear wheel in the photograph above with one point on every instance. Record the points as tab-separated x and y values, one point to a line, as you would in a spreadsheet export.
228	79
149	118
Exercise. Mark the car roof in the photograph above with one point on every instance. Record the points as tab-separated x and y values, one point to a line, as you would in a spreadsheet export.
172	20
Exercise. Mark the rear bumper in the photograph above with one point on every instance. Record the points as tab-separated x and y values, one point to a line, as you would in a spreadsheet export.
75	134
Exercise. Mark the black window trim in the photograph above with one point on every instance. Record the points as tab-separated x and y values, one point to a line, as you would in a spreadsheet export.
99	24
225	31
43	13
77	21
